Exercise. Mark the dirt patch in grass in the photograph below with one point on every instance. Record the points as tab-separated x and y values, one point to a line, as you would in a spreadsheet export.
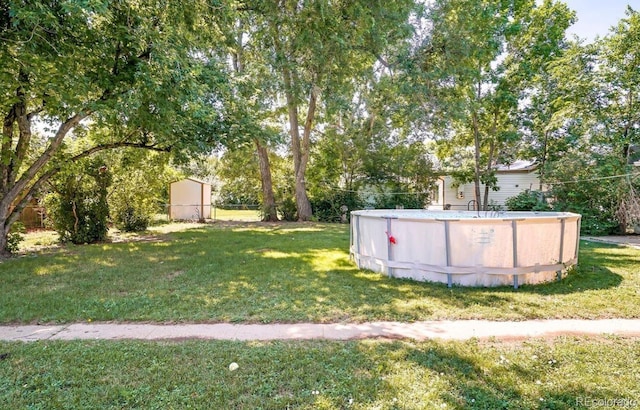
175	274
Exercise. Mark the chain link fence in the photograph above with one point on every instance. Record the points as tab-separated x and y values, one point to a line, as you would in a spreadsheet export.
213	212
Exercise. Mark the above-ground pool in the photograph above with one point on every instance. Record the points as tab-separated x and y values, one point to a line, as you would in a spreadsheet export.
468	248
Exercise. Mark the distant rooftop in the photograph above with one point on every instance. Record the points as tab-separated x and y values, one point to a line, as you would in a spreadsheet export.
518	165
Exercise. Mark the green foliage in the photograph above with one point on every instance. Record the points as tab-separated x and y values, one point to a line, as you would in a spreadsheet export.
594	222
99	75
79	208
596	199
140	179
238	170
589	123
476	65
527	201
240	179
317	51
329	208
16	235
397	197
287	209
598	214
131	219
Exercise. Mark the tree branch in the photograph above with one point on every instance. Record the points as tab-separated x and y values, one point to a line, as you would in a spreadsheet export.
36	111
382	61
38	164
5	153
22	203
121	144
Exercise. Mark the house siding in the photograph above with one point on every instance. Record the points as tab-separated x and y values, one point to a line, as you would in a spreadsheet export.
511	183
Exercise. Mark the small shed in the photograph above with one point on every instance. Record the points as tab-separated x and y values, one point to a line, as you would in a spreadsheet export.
189	199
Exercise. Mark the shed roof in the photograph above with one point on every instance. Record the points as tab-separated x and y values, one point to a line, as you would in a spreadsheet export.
192	179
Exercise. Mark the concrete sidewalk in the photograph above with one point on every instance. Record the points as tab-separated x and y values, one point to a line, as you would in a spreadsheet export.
632	241
445	330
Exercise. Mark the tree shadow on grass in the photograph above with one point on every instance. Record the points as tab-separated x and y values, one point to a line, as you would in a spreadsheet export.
615	256
254	273
509	381
589	275
526	302
314	374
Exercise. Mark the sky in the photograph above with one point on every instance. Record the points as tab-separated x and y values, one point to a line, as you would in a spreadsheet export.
595	17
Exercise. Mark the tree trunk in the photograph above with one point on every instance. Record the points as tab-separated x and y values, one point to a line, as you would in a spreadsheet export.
476	176
302	200
4	253
543	160
492	146
4	233
269	211
299	149
303	206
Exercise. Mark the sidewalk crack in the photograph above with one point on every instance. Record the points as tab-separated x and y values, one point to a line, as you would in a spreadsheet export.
61	329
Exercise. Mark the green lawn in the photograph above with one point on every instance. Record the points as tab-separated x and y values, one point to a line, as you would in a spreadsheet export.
247	215
566	373
261	273
290	273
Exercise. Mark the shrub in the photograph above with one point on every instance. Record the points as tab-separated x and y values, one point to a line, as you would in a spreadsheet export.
131	219
330	207
79	208
408	201
527	201
288	210
593	222
15	237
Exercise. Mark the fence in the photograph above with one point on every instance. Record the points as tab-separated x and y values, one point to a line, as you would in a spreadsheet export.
33	217
214	212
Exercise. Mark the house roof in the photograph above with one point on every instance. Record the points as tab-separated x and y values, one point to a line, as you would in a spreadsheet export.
518	165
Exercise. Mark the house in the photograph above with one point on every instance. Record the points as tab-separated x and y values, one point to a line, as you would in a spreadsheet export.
189	199
512	179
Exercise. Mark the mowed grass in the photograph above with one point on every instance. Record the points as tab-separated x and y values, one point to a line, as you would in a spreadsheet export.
248	215
263	273
563	373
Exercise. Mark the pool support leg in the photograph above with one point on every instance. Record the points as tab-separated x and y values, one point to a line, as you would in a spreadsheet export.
514	230
447	244
562	225
389	254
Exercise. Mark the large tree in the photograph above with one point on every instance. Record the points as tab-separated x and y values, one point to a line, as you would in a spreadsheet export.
597	108
254	90
621	74
477	63
315	47
370	147
135	67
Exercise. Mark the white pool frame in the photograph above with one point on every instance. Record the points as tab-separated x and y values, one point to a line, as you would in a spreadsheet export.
467	248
